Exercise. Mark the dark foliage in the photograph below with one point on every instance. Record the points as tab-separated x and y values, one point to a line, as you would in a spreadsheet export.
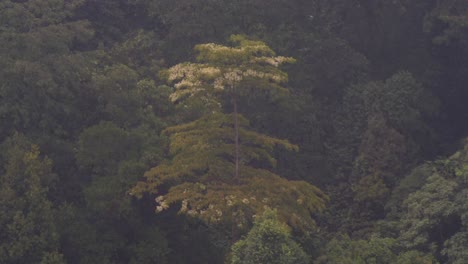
376	104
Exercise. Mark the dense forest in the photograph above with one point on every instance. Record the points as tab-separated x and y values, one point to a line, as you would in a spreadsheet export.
233	131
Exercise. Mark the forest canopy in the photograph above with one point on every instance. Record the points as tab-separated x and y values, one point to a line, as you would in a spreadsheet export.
246	131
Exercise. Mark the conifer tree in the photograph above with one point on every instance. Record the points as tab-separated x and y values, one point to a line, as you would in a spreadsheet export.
218	171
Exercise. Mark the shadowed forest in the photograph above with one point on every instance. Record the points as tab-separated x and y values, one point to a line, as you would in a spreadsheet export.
233	131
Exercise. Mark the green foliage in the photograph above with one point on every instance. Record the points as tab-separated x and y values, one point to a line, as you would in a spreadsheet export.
395	109
381	159
270	242
107	194
98	150
401	101
409	184
376	250
78	80
129	99
105	233
455	248
380	133
152	248
27	218
427	207
434	217
110	229
38	67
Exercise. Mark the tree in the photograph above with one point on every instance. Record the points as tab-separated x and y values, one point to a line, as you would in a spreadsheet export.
218	166
107	227
434	216
270	242
46	74
382	130
38	67
375	250
27	224
230	71
446	26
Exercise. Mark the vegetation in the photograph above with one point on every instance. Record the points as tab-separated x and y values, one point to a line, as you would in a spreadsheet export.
324	131
269	241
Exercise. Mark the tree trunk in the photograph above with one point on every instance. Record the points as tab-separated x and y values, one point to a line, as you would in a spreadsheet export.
234	231
236	140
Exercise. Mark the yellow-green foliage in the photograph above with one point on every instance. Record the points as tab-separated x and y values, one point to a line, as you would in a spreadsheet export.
201	174
221	69
215	201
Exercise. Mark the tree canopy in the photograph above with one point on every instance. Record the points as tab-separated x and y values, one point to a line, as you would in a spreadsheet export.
348	118
218	167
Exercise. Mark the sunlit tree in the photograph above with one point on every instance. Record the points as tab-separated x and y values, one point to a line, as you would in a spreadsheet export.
218	169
